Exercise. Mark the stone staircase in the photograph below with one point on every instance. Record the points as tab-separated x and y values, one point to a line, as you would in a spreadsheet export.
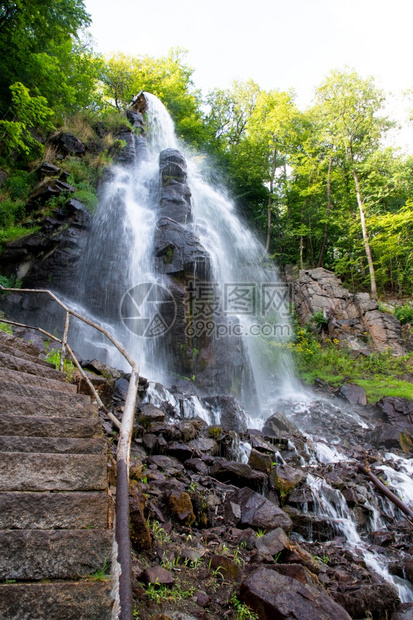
55	511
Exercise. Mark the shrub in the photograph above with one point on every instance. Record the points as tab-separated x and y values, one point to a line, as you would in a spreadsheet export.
404	313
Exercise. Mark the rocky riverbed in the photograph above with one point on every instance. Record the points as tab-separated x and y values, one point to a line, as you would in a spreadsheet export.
240	517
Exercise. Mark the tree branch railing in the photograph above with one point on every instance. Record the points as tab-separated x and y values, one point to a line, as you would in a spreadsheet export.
122	572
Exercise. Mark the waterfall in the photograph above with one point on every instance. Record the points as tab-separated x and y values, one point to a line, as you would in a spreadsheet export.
251	304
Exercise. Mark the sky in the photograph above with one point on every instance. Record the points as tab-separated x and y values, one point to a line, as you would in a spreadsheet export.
284	45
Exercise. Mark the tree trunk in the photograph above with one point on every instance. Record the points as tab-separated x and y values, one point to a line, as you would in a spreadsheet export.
365	236
328	209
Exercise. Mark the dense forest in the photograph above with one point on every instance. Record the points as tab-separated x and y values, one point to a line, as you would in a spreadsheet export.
320	186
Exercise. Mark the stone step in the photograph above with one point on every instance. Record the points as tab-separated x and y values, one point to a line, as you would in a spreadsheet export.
51	445
39	426
32	368
53	554
25	356
18	344
46	511
81	600
52	472
19	399
12	376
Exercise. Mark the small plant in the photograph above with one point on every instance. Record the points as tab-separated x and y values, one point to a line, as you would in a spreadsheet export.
319	319
242	611
216	572
237	557
277	556
193	486
168	563
159	593
260	533
53	357
158	532
101	574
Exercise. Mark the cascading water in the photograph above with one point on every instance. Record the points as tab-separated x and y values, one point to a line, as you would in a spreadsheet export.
247	297
252	301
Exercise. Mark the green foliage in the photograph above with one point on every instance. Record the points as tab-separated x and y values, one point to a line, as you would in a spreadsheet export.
29	113
404	313
380	374
54	357
160	593
242	610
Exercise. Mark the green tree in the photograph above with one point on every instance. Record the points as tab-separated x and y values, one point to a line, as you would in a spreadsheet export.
349	108
168	77
28	113
30	27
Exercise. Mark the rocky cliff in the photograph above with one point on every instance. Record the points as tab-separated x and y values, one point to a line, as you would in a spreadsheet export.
353	318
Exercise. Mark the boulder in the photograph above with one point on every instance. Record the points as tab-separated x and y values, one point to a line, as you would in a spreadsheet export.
354	394
232	416
278	597
277	422
68	144
273	542
257	512
238	474
376	600
158	576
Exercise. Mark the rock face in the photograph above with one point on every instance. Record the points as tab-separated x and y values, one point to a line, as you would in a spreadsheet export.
350	317
217	363
275	596
50	257
396	429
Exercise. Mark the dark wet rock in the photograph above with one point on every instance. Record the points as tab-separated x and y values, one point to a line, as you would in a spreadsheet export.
278	422
202	598
379	600
257	512
181	507
273	595
232	416
47	258
300	573
68	144
158	575
354	394
178	251
260	461
226	566
238	474
396	429
121	389
404	612
273	542
167	464
396	411
204	445
180	450
285	478
100	368
150	442
148	413
47	169
196	465
258	443
139	533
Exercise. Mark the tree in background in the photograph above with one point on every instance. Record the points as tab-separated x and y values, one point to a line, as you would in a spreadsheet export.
168	77
348	108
